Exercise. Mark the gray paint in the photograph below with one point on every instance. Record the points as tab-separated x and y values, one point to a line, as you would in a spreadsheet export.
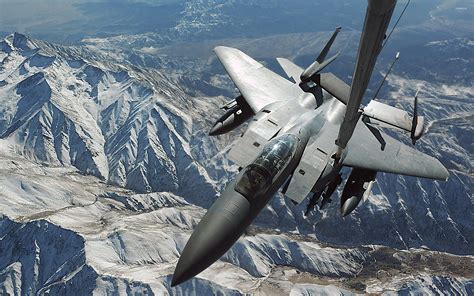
376	22
281	108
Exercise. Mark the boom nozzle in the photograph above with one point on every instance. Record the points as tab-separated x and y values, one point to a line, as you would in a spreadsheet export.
377	19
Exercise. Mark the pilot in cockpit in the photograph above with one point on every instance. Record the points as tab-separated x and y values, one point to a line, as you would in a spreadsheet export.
275	156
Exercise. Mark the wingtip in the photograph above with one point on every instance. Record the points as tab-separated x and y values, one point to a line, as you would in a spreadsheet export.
440	172
223	52
446	174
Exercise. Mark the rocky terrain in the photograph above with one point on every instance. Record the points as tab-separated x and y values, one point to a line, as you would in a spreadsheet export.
106	167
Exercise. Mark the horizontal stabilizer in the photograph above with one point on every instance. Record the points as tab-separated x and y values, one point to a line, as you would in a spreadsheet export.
375	112
292	70
388	116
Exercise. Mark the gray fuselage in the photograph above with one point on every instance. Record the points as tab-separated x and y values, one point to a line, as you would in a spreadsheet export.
257	183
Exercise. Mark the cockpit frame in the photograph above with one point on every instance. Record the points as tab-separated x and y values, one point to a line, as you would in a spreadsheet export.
275	156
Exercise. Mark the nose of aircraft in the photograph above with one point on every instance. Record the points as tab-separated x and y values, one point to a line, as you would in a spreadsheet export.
222	225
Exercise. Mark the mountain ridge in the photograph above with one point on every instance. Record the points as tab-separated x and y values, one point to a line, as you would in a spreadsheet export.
119	155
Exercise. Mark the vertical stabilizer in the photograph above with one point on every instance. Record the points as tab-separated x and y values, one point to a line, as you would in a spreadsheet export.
377	19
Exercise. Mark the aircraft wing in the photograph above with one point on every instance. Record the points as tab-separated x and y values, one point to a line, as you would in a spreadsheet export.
371	149
257	84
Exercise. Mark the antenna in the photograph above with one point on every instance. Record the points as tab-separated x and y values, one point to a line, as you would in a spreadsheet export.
394	26
397	56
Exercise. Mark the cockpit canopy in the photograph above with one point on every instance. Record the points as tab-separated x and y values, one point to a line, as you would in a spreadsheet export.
275	156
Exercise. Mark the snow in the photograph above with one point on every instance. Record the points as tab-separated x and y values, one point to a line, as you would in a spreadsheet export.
106	168
313	289
102	121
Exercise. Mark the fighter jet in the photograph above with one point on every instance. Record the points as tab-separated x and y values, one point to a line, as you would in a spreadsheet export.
302	131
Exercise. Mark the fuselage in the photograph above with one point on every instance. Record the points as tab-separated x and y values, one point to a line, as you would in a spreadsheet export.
257	183
302	140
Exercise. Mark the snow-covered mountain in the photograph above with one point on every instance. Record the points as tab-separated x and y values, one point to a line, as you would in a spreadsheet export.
69	106
106	167
66	233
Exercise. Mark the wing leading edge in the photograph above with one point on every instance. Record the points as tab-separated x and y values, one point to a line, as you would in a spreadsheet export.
371	149
257	84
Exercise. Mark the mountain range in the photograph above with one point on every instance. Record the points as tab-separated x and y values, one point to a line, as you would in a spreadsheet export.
106	167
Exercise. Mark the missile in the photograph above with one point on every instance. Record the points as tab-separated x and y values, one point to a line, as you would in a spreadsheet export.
368	190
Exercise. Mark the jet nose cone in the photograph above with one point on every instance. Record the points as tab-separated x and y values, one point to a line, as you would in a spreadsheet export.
177	279
179	275
222	225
